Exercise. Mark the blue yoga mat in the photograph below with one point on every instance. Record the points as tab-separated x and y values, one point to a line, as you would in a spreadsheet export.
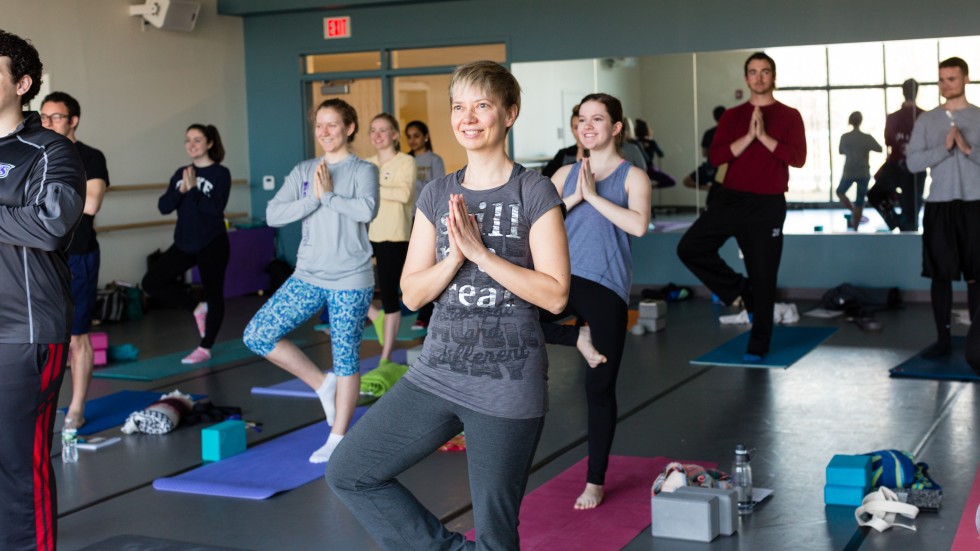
112	410
789	344
950	367
159	367
298	389
260	472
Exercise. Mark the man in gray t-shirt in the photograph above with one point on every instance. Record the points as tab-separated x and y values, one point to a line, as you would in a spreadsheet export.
944	140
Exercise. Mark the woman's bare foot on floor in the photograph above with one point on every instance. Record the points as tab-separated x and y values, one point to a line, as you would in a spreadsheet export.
589	352
590	498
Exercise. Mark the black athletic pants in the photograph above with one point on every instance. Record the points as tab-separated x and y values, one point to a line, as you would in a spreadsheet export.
212	262
756	223
29	389
606	314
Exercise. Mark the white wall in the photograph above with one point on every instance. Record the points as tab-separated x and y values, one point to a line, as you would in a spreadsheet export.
552	88
139	90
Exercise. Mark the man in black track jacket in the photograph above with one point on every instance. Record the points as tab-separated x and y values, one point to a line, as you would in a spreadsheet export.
42	192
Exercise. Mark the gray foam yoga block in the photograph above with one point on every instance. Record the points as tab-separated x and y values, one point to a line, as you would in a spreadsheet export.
684	516
727	506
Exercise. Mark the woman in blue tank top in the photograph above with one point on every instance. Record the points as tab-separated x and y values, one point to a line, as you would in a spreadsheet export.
608	200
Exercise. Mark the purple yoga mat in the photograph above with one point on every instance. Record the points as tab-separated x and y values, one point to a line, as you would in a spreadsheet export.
298	389
259	472
548	520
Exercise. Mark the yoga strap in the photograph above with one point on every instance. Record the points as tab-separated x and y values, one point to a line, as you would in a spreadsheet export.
881	508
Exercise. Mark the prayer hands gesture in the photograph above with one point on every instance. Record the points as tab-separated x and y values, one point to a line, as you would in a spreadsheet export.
585	189
955	139
757	127
189	180
321	180
465	241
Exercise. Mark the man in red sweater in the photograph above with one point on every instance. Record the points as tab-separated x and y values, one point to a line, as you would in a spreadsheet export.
759	140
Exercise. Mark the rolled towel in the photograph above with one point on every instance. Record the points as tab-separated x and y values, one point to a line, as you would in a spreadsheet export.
380	380
161	416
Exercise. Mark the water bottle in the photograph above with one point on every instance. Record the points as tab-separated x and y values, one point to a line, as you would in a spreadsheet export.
69	445
742	479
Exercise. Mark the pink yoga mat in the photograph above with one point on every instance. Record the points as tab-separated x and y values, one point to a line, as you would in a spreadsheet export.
548	520
967	538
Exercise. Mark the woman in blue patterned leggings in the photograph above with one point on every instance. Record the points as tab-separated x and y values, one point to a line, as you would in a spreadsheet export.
335	196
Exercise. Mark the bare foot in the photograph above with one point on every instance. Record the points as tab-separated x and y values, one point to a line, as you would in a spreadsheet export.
590	498
589	352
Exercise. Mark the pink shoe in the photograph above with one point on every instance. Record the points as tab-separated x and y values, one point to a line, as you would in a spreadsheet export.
201	317
197	356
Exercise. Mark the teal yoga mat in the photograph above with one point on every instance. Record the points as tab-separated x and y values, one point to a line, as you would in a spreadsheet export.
159	367
952	367
405	331
789	344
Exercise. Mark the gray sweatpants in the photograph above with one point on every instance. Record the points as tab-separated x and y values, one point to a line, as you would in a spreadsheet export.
405	426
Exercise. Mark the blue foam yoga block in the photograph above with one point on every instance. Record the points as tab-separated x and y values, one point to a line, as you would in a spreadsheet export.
223	440
844	495
849	470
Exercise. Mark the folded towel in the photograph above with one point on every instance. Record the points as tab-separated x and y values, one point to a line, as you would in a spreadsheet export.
380	380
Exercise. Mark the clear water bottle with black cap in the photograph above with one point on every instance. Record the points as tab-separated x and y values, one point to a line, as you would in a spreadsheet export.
742	478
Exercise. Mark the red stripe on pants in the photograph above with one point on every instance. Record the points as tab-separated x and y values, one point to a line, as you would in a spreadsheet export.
44	488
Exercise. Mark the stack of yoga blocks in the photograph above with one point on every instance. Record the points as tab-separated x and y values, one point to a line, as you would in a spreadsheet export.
848	480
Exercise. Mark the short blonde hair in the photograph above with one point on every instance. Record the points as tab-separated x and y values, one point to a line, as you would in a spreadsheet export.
492	78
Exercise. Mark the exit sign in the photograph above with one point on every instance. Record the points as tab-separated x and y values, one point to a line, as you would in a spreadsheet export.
336	27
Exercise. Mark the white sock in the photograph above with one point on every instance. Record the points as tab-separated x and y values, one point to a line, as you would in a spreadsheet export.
328	394
323	454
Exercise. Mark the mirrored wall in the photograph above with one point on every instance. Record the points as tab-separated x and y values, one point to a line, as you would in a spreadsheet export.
676	94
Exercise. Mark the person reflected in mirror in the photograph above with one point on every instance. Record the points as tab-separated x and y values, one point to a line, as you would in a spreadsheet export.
910	185
946	140
199	193
759	140
644	138
855	146
608	202
707	176
570	154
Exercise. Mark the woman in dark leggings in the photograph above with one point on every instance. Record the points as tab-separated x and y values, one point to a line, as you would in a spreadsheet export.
199	193
607	200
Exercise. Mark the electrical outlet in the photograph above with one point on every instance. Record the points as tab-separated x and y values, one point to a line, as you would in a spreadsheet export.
268	183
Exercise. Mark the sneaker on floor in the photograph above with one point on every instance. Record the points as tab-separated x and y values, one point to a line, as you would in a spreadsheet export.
197	356
419	325
201	317
734	319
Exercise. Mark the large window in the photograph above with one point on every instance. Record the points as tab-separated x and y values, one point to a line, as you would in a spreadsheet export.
828	83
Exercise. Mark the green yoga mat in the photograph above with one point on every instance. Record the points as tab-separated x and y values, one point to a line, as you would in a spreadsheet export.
159	367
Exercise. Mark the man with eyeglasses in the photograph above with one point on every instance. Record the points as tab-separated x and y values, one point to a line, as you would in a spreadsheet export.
42	192
61	112
946	140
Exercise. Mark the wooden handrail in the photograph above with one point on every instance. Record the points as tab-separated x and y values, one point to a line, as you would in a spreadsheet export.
154	223
152	187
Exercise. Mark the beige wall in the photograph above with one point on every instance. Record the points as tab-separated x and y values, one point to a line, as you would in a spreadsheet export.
139	90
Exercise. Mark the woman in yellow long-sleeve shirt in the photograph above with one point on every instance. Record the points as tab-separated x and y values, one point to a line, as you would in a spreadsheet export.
392	227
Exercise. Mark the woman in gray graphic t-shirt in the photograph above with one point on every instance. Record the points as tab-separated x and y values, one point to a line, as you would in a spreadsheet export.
489	247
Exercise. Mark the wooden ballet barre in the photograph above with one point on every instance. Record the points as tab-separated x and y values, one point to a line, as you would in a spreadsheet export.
155	223
161	186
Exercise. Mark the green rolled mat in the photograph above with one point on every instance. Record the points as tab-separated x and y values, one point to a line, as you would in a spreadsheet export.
380	380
